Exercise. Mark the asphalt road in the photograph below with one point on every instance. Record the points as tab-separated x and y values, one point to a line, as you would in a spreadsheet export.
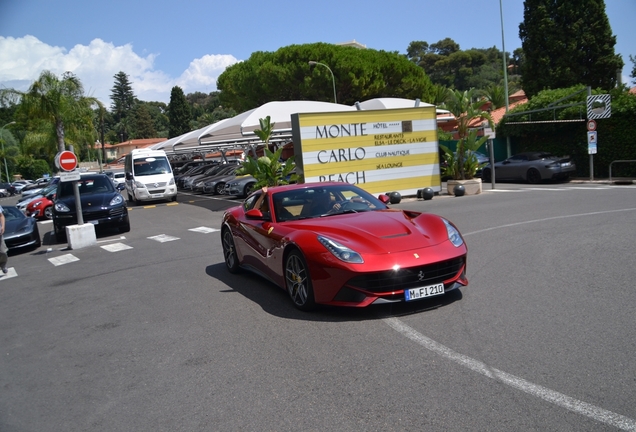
147	331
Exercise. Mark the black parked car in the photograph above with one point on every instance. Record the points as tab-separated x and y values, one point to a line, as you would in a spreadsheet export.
531	167
20	231
102	205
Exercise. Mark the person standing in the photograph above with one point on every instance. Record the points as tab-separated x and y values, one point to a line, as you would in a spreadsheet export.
3	247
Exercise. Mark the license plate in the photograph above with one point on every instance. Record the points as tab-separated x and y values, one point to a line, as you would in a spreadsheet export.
422	292
156	196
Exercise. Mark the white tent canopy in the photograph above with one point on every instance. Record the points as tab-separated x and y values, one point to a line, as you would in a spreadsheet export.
244	125
239	130
389	103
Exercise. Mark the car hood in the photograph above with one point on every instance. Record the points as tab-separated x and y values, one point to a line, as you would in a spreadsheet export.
15	227
380	231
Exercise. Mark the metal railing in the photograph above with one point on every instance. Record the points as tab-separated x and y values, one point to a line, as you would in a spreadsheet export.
613	162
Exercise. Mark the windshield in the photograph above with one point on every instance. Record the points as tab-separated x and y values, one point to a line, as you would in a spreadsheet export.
151	166
320	201
88	185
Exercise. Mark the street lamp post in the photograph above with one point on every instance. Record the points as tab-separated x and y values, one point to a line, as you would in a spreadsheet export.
6	170
333	78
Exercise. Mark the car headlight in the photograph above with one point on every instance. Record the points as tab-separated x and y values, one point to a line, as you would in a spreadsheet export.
171	182
341	252
117	200
61	208
37	204
453	234
140	185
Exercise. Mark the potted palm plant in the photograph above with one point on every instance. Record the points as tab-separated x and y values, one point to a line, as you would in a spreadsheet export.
462	164
268	170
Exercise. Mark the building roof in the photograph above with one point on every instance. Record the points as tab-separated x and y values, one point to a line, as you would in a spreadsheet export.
140	143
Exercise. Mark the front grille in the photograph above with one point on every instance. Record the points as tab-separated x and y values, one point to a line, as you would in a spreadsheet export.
156	185
407	278
103	214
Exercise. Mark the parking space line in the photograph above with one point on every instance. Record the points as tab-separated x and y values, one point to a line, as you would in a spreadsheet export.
116	247
63	259
203	229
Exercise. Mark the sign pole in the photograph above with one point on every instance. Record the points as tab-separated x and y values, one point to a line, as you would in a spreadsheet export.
78	202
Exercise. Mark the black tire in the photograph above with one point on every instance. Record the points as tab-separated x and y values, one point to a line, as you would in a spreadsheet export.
48	212
229	251
248	189
60	235
298	281
485	176
219	189
533	176
174	198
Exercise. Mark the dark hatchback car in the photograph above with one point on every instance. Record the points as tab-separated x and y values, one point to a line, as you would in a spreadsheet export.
21	232
102	205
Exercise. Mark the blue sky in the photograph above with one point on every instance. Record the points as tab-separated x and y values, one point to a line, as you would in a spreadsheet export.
189	43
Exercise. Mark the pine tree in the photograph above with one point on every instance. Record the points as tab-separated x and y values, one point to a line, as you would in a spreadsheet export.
123	103
178	113
567	42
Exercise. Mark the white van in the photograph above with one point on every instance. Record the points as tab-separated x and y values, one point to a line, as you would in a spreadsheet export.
149	176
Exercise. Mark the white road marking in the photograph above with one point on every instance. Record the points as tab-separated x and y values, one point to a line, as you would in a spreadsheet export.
162	238
546	219
116	247
11	273
203	229
63	259
554	397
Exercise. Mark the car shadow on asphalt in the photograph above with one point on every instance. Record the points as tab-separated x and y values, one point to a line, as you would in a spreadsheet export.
275	300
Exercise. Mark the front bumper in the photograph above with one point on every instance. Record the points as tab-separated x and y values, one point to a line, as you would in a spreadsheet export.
113	217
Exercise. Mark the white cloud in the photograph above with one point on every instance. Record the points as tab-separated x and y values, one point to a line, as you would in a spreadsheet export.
23	59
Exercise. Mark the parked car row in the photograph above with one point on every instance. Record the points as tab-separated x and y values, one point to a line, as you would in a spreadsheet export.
211	178
102	205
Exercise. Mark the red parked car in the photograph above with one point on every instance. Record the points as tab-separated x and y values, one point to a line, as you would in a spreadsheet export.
336	244
41	208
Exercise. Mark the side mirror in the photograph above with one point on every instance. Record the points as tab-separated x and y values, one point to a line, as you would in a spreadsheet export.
384	198
254	214
121	186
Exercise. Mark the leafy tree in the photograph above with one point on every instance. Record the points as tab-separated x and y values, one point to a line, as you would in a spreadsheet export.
31	168
56	110
144	127
567	42
448	66
633	74
178	113
360	74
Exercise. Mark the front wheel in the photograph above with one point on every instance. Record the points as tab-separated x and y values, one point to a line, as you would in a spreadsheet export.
485	176
534	176
229	251
48	212
298	282
219	189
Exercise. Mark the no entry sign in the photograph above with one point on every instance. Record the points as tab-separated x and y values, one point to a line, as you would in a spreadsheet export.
66	160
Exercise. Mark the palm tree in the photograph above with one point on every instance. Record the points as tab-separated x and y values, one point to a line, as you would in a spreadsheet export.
59	107
466	107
